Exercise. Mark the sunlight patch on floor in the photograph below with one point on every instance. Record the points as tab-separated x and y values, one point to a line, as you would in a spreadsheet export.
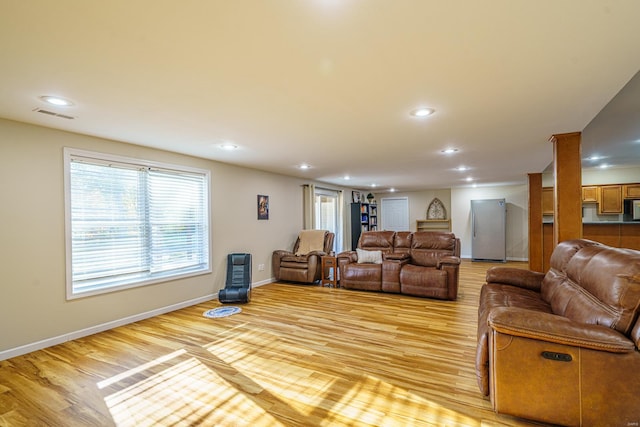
324	398
188	393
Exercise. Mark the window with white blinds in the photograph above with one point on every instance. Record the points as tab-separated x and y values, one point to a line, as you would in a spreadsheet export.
132	223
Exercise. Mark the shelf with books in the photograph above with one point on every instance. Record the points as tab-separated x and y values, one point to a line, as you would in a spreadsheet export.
364	217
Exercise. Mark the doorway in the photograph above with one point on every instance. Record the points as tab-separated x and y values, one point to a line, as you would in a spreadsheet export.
395	213
327	213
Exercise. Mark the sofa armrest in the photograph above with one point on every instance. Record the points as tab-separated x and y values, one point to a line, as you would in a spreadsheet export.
347	257
276	259
281	253
316	253
521	278
552	328
448	260
395	257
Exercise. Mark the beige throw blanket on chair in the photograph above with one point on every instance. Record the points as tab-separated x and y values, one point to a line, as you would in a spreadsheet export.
310	240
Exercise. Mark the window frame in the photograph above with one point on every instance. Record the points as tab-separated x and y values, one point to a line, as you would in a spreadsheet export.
69	154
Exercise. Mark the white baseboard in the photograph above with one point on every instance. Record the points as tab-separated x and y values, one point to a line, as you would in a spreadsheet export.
263	282
39	345
468	258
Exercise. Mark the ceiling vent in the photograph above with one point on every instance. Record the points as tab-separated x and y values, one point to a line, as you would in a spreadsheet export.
53	113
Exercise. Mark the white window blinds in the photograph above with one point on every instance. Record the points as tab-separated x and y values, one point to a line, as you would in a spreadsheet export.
131	224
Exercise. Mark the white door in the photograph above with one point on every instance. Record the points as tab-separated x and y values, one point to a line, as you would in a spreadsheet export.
327	216
395	213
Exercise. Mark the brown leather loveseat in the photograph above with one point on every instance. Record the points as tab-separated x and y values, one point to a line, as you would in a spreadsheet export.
423	263
562	347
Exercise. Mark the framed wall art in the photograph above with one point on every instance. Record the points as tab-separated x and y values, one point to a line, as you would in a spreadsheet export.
263	206
355	196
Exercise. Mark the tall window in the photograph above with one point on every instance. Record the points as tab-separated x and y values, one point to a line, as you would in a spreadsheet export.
131	223
327	215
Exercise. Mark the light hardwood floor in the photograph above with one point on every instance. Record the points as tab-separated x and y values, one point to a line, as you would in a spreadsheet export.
296	356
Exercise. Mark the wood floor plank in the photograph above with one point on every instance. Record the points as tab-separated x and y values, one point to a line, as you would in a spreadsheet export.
297	355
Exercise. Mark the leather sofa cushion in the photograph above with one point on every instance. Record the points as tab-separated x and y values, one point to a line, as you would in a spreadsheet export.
597	285
423	276
423	281
295	258
362	276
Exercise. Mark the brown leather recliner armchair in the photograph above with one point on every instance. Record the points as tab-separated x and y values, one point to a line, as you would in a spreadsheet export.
300	267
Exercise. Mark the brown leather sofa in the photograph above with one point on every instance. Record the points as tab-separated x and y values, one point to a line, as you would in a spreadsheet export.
303	268
424	264
562	347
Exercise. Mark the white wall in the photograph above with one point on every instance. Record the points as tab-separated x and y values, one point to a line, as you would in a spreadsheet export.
610	176
458	204
419	202
597	176
33	306
516	197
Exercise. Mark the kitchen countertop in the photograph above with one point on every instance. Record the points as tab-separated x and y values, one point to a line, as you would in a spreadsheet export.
611	222
602	222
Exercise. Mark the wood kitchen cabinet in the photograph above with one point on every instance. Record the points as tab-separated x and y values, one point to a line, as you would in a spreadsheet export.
631	191
590	194
608	234
547	201
630	236
616	234
610	199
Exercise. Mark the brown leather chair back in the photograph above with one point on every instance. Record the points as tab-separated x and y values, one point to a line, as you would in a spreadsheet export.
376	241
402	242
427	247
328	242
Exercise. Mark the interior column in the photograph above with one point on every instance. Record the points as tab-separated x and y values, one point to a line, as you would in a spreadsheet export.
535	223
567	189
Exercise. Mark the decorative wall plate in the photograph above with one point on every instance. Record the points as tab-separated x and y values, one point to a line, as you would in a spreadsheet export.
436	210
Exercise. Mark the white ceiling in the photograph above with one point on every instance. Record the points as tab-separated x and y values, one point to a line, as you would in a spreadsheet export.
327	82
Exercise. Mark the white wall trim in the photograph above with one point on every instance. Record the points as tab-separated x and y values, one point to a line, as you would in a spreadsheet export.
263	282
39	345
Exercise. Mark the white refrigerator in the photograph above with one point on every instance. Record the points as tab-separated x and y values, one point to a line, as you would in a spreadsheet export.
489	230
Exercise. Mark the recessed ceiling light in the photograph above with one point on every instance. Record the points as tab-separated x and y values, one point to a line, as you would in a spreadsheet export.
422	112
603	166
346	178
469	179
392	190
228	146
449	151
374	185
462	168
304	166
592	158
56	100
